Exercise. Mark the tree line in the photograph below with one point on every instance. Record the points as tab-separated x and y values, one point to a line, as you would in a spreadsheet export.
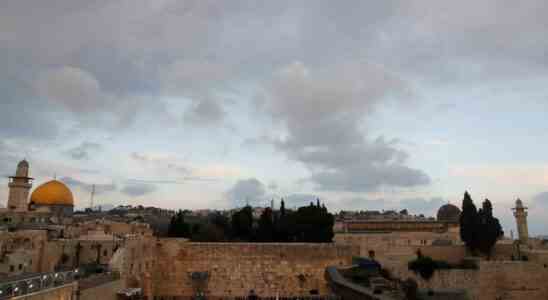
308	224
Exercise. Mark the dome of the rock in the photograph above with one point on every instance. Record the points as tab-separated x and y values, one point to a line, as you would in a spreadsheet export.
52	193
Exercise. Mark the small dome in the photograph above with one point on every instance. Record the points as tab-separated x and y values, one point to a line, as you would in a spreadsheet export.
519	203
52	193
449	213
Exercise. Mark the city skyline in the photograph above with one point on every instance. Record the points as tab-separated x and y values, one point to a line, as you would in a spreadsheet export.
183	104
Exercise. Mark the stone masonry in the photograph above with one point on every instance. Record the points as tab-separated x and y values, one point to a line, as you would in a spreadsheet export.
233	269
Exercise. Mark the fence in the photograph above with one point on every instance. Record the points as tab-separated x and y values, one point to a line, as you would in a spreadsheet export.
22	285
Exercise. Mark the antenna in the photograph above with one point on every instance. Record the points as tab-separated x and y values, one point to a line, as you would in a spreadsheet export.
92	195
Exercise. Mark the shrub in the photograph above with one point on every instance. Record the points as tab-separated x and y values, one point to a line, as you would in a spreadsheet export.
424	266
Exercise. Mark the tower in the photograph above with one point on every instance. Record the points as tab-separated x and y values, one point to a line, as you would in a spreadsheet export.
19	187
520	212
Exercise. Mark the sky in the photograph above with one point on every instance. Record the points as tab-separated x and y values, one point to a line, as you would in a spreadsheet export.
191	104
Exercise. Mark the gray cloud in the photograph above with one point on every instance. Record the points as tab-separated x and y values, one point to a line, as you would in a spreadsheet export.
360	203
92	56
273	186
166	162
541	199
323	111
107	62
99	188
73	88
83	151
247	190
428	207
138	189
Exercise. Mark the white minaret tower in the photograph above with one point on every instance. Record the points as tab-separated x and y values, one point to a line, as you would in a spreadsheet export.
19	187
520	212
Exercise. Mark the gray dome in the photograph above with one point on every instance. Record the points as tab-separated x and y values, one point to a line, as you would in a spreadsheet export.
449	213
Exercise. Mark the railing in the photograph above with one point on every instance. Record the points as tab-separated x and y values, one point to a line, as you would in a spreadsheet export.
349	290
97	280
28	284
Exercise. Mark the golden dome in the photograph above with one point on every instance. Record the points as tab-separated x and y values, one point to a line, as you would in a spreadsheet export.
52	193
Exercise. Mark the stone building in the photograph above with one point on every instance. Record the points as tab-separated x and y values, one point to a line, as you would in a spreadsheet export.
520	213
50	203
19	187
393	241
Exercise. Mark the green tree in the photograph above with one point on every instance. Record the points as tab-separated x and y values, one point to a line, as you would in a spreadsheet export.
208	233
223	223
266	230
284	225
489	229
178	227
242	224
469	223
314	224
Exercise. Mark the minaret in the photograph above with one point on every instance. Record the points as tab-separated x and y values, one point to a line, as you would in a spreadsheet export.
19	187
520	212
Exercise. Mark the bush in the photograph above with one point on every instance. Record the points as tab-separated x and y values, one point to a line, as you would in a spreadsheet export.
424	266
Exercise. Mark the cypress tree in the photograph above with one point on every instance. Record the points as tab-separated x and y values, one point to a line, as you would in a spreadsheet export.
489	229
468	223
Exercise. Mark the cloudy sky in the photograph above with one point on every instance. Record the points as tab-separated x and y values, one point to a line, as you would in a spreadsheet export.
209	104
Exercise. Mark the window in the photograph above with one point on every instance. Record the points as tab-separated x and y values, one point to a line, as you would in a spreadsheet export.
105	253
20	266
12	268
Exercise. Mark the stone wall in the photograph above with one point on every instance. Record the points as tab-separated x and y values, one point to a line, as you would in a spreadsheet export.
494	280
393	247
538	256
64	292
234	269
104	291
450	254
88	252
21	252
512	281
